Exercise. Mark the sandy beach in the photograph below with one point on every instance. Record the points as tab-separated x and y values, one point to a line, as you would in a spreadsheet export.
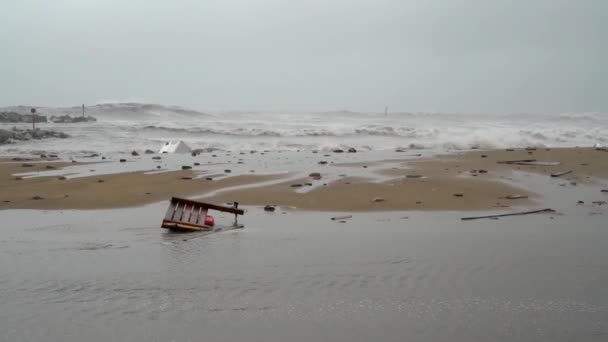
461	181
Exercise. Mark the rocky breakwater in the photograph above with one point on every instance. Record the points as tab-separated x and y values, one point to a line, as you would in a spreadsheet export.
16	134
72	119
13	117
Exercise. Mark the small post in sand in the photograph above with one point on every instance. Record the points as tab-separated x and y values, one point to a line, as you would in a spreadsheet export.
33	111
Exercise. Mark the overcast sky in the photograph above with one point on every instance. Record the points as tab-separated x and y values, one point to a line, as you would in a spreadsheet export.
412	55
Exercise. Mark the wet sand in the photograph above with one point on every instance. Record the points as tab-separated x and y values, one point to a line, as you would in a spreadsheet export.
466	181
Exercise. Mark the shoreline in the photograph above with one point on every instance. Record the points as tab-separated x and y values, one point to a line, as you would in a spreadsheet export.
471	180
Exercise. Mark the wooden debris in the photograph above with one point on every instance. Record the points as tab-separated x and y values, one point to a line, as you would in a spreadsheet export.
538	163
188	215
341	218
516	161
559	174
514	197
510	214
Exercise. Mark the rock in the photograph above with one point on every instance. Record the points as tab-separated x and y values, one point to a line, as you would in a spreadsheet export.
37	198
209	178
227	171
149	152
458	195
156	158
296	185
484	156
61	178
413	176
315	175
378	199
352	150
13	117
604	190
158	166
197	164
18	178
322	162
50	167
100	181
269	208
483	171
27	165
338	151
123	160
72	119
134	154
581	202
308	184
599	202
186	167
43	156
52	156
186	178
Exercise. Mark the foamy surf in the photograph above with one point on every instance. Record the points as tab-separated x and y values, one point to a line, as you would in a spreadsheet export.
136	126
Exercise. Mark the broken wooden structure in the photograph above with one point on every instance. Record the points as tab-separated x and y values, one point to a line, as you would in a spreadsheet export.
188	215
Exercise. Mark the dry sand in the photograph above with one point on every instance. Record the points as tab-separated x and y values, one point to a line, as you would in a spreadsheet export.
450	182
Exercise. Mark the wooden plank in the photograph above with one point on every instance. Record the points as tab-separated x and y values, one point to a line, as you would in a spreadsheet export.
559	174
516	161
179	208
202	215
538	163
511	214
184	226
170	211
209	206
196	211
187	212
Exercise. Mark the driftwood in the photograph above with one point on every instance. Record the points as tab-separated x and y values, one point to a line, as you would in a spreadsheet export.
511	214
340	218
528	162
559	174
516	161
514	197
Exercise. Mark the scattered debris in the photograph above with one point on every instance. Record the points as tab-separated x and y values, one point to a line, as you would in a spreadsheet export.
514	197
510	214
559	174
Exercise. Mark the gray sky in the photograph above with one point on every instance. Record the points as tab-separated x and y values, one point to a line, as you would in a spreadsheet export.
416	55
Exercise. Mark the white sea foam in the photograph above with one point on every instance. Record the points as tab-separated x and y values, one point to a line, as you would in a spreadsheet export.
128	126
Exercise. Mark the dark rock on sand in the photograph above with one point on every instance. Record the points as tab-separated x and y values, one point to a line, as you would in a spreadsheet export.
352	150
227	171
269	208
50	167
197	164
123	160
156	158
186	167
27	165
315	175
296	185
458	195
338	151
322	162
149	152
134	153
37	198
